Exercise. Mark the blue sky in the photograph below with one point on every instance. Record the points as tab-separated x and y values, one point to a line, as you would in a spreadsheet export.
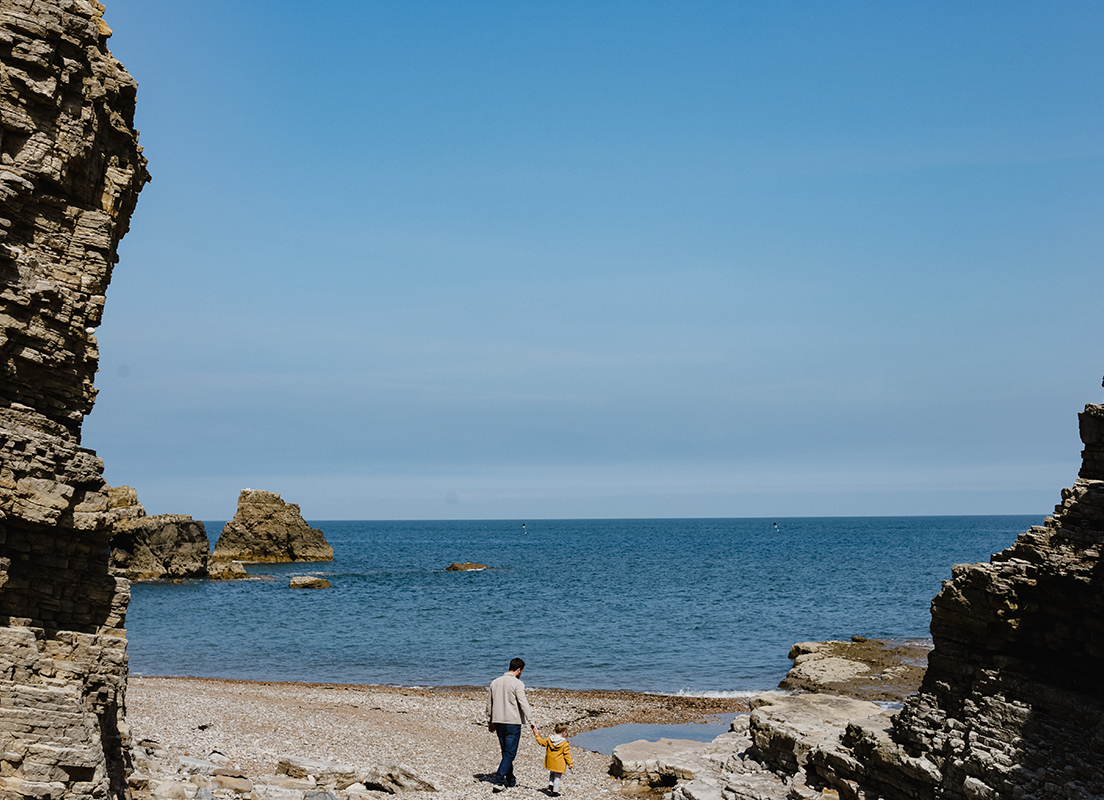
524	260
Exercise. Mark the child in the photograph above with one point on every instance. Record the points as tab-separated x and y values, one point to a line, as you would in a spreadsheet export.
557	752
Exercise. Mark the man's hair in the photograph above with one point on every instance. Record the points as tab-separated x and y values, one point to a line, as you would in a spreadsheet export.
516	664
561	728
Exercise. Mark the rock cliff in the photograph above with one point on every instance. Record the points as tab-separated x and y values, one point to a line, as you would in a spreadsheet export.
1012	702
265	528
70	173
161	547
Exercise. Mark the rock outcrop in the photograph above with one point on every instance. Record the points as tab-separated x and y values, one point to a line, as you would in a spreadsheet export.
466	566
267	529
1012	703
867	669
161	547
1010	706
70	173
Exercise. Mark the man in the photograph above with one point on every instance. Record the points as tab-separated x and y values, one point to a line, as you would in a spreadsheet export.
507	711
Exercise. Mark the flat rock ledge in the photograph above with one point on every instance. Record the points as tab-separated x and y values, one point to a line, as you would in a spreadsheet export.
767	755
159	775
868	669
467	566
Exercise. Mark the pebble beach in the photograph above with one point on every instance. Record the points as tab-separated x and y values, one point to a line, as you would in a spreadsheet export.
439	734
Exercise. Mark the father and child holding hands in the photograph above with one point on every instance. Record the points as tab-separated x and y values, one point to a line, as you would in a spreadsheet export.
507	710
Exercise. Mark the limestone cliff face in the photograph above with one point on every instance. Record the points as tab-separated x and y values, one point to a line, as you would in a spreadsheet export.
70	174
265	528
1012	703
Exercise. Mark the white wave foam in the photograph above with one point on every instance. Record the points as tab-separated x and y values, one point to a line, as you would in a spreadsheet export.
722	695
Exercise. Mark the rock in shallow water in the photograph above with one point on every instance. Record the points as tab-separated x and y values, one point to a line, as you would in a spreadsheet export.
308	582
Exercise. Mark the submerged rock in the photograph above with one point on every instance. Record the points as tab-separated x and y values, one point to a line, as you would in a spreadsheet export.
266	529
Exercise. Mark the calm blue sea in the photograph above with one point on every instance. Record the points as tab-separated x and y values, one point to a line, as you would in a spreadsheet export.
696	606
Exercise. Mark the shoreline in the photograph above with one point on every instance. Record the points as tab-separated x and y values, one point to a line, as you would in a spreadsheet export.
438	732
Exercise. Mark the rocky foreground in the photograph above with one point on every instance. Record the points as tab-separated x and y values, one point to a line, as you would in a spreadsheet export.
194	736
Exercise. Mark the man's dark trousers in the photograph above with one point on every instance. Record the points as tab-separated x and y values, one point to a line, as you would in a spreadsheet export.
508	738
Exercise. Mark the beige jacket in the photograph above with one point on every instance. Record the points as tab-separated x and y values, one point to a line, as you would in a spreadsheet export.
506	703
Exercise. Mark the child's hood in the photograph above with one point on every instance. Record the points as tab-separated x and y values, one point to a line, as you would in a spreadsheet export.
556	740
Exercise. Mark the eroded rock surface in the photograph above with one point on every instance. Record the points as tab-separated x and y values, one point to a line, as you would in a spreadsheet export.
70	174
868	669
1012	704
161	547
267	529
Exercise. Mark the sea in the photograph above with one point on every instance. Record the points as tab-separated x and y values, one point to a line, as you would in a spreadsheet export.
699	607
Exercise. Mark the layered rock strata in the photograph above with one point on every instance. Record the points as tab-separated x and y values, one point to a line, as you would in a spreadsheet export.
70	173
1012	703
267	529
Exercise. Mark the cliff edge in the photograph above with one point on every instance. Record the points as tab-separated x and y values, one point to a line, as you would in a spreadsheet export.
1012	703
70	173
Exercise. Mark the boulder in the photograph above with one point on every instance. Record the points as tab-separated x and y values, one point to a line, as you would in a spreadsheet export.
266	529
395	778
326	774
467	566
786	729
659	763
308	582
225	570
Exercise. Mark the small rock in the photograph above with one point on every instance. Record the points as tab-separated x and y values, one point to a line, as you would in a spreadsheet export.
308	582
233	784
395	778
223	570
173	790
467	566
197	766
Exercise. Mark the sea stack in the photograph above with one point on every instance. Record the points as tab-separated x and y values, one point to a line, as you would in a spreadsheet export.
70	176
266	529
